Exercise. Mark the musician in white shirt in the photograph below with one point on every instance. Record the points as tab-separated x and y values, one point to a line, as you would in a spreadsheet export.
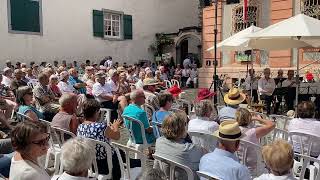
254	83
290	83
266	86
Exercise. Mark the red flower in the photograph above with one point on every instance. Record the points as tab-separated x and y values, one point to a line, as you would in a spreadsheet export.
309	76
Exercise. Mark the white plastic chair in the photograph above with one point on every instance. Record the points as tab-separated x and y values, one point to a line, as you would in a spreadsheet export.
281	121
280	134
132	141
105	115
168	84
149	110
95	172
126	171
21	117
206	176
305	142
247	149
206	141
172	166
55	143
175	82
314	169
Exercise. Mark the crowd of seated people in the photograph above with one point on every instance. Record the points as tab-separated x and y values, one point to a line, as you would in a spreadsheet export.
70	97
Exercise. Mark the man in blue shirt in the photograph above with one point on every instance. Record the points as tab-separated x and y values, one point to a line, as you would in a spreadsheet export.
222	162
79	85
135	111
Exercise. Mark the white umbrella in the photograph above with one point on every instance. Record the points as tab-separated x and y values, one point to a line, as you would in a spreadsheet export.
238	41
299	28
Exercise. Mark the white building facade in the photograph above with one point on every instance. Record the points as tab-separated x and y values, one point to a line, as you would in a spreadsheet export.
48	30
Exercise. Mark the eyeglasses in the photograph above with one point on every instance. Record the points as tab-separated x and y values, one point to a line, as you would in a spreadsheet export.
42	142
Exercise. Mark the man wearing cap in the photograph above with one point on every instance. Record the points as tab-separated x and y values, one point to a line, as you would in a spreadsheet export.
266	86
103	93
79	85
149	87
7	77
89	71
233	98
222	163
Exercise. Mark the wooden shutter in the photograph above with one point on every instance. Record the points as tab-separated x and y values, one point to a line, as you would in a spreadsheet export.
98	29
127	29
25	15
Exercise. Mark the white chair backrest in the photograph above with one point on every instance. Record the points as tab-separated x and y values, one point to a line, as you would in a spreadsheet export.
108	149
263	116
175	82
149	110
21	117
135	122
248	153
61	135
125	167
310	163
280	134
206	141
281	121
105	115
48	124
304	142
168	84
172	166
206	176
183	103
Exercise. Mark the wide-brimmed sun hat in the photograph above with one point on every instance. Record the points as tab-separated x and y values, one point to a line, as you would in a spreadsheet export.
234	97
149	82
174	90
121	69
204	93
229	130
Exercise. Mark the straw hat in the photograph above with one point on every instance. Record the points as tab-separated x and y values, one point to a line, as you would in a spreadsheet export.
204	94
234	97
149	82
229	130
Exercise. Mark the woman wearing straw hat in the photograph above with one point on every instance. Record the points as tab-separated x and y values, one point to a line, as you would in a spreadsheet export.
222	163
233	98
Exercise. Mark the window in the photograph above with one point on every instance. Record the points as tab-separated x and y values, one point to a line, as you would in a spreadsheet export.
24	16
311	8
237	16
112	25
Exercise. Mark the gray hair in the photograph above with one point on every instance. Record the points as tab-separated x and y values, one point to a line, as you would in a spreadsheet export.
77	155
203	107
135	94
66	99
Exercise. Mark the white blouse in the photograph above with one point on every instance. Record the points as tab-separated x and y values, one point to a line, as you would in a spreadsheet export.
26	170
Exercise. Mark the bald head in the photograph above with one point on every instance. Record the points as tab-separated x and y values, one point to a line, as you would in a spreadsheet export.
138	97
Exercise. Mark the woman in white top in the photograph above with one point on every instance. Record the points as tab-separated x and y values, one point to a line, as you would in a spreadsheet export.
306	124
30	141
278	158
253	134
64	85
202	123
77	156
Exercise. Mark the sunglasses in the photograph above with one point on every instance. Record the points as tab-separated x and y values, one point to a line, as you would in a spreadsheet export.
42	142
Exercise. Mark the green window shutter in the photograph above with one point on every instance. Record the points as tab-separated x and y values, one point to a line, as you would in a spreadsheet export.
98	30
127	23
25	15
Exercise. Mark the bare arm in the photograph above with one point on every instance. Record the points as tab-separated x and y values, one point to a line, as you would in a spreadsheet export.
112	131
267	126
32	115
74	123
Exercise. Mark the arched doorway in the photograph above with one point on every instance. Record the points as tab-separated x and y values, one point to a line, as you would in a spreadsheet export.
188	45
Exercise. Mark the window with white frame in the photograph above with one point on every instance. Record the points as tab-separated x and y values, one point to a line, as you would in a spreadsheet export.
112	22
311	8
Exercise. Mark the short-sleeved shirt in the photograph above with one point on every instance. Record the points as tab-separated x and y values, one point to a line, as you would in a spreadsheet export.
266	87
223	165
26	170
99	89
227	112
138	113
66	87
62	120
95	131
23	109
74	80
